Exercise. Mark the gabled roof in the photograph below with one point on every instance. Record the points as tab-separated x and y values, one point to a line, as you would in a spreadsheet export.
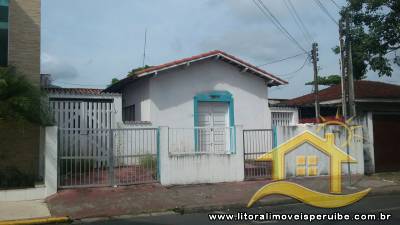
74	91
220	55
364	89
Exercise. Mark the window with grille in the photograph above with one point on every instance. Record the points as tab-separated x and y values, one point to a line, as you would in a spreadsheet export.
281	118
128	113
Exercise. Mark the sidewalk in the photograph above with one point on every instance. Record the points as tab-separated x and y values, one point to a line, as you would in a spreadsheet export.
23	210
138	199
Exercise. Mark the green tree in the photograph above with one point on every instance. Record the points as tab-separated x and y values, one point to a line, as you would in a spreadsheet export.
329	80
375	32
22	101
134	72
113	81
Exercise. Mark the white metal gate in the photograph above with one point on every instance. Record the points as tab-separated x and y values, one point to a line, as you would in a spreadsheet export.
93	153
85	114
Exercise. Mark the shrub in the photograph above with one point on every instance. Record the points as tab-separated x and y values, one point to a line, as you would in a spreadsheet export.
149	161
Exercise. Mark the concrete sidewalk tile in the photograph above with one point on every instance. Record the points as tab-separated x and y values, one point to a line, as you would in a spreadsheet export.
23	210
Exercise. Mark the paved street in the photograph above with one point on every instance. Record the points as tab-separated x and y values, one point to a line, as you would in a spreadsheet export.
388	204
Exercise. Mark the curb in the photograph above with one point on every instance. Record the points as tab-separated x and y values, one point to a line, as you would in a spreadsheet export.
46	220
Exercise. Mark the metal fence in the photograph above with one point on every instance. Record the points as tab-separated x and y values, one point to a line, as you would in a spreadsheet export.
206	140
257	142
107	157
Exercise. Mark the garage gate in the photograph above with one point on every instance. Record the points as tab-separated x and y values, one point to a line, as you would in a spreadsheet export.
91	153
386	145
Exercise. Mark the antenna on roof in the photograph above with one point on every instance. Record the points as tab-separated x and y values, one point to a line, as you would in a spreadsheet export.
144	46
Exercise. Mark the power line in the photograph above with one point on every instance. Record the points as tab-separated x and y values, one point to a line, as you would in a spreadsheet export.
333	1
322	7
298	20
283	59
297	70
268	14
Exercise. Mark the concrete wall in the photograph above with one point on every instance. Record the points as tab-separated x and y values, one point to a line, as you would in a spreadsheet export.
24	38
355	148
137	94
169	101
200	168
50	173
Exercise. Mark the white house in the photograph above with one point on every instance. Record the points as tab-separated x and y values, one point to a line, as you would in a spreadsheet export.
210	92
211	89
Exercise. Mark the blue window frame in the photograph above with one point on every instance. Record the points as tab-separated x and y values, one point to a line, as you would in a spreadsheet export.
216	96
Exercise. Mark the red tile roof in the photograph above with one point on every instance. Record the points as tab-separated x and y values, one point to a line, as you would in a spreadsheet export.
74	91
224	56
364	89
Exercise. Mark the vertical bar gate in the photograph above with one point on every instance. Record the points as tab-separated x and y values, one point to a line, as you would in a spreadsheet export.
107	157
257	142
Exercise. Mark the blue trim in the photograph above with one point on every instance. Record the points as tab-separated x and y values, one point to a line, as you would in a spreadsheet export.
215	96
3	2
158	154
3	25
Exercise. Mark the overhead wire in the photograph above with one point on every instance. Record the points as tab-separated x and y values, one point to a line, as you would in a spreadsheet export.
333	1
281	60
297	19
270	16
325	10
297	70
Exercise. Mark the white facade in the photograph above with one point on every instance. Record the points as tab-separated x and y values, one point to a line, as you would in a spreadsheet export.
167	99
199	167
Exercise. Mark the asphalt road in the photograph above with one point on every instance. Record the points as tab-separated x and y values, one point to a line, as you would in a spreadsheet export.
388	204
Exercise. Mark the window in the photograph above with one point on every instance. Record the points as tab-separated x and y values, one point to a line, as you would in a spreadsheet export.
3	32
128	113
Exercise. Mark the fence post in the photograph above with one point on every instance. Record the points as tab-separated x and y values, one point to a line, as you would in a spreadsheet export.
239	142
111	158
163	154
158	154
51	174
275	141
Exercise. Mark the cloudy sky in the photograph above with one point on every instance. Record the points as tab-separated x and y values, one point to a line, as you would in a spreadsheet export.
85	43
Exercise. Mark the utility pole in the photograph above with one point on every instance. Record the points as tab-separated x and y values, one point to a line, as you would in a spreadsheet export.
343	69
314	55
348	106
352	106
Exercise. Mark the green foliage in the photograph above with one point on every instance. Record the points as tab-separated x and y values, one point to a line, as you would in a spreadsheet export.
134	72
113	81
329	80
12	177
375	33
22	101
149	162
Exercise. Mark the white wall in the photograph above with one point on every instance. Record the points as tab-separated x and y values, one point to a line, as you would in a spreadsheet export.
355	147
172	92
200	168
137	93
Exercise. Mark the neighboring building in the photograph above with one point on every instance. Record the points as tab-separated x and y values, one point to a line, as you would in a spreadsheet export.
378	110
281	115
20	37
20	47
211	89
